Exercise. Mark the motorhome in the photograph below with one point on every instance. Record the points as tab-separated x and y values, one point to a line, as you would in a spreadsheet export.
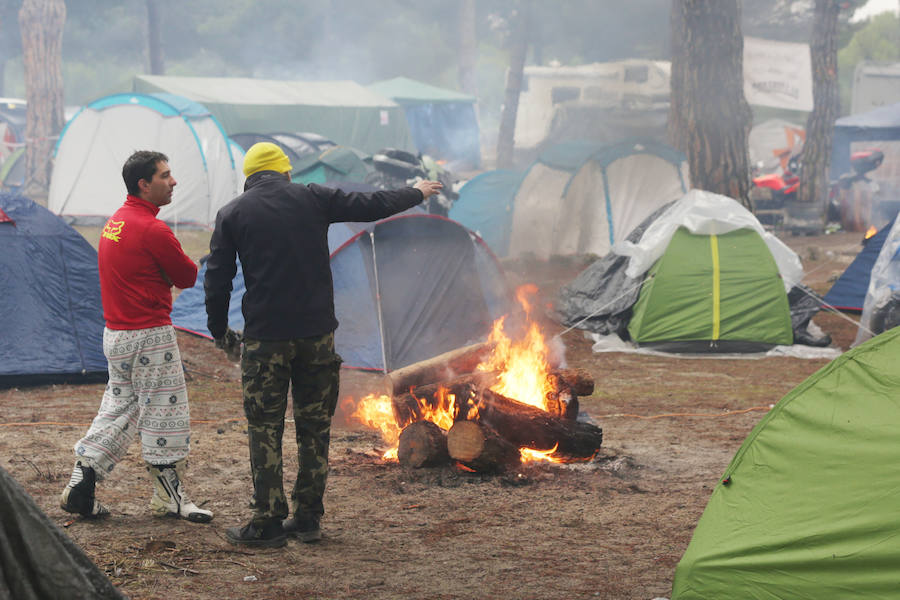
874	84
633	85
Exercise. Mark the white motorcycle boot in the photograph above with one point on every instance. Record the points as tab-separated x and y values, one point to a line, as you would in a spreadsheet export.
78	495
169	498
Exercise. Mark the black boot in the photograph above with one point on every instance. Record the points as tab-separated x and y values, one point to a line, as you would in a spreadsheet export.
78	495
270	535
306	529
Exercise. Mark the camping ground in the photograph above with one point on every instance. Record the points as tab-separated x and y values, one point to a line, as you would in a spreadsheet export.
614	528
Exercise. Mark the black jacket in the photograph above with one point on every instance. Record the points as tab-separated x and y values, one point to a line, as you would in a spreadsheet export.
279	230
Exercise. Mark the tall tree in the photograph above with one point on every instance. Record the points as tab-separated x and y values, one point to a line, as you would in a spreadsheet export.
709	116
10	46
518	42
826	105
467	47
41	25
154	43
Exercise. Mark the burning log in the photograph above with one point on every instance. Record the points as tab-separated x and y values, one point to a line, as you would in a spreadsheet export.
439	368
530	427
422	444
479	447
409	407
562	401
579	380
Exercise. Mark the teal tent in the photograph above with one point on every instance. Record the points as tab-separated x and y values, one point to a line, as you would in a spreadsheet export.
443	122
338	163
343	111
808	506
485	204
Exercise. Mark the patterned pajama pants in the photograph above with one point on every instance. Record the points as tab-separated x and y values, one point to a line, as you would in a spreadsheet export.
311	369
146	396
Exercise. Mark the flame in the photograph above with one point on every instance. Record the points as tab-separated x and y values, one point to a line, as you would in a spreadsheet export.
377	412
871	231
532	455
441	415
522	365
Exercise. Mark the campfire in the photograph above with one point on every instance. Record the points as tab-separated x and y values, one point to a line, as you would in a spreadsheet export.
486	407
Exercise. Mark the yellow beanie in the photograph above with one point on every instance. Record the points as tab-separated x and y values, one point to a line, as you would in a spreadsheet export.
266	156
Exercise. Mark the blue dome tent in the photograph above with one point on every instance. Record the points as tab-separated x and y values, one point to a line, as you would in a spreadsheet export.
52	316
849	292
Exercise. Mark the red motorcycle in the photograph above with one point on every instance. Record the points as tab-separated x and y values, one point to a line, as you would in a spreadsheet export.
774	196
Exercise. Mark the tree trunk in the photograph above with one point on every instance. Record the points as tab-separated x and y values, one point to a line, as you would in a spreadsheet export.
154	44
816	154
468	48
41	25
518	50
709	116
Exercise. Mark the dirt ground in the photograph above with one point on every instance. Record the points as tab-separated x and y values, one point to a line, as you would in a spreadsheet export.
613	528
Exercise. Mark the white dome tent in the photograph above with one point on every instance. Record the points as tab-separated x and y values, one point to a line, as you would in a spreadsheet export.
613	191
86	184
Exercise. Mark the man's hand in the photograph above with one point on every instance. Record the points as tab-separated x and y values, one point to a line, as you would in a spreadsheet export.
230	342
429	188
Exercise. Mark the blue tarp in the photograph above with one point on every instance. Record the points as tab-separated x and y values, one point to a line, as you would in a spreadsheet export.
52	316
880	124
442	122
446	131
406	289
849	291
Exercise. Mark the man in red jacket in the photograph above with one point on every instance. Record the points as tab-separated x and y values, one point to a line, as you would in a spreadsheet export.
140	260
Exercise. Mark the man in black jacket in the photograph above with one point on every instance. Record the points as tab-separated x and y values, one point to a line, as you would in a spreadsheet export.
279	230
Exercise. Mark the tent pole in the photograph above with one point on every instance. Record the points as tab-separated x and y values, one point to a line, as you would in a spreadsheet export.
384	360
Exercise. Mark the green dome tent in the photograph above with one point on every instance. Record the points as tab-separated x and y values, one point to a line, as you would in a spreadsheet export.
722	289
698	275
338	163
808	506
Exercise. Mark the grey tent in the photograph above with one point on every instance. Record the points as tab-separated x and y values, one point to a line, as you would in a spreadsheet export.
37	560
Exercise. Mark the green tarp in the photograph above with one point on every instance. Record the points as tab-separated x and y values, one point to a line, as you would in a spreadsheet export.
343	111
809	507
409	91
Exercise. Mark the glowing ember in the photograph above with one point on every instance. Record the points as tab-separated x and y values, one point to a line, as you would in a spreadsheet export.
532	455
522	364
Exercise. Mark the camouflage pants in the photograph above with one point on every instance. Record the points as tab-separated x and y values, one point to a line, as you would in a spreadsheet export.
311	369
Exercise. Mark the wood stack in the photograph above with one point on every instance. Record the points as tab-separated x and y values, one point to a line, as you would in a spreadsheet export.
488	428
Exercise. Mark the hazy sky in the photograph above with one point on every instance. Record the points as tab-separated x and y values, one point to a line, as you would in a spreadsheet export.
874	7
